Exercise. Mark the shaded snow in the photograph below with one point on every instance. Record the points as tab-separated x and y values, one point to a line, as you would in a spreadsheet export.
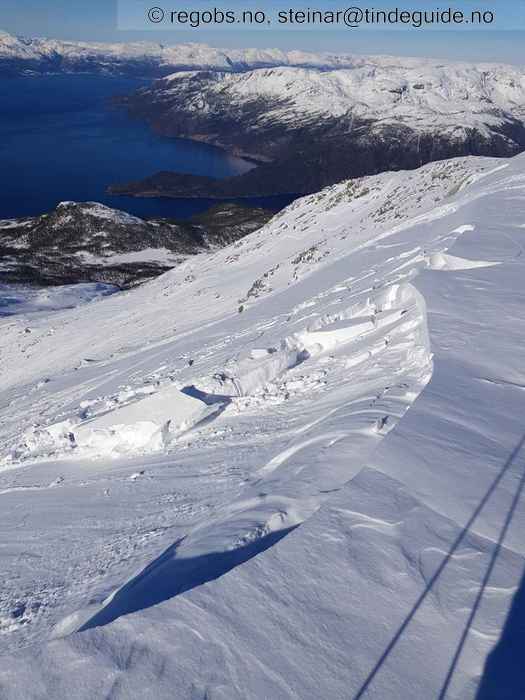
18	299
146	255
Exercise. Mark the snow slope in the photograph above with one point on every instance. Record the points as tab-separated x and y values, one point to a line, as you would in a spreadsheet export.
355	393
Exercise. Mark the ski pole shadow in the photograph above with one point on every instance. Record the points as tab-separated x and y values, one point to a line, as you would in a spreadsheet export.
437	574
504	673
479	597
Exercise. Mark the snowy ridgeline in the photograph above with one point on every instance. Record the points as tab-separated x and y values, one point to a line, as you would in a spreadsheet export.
428	96
283	469
52	55
89	242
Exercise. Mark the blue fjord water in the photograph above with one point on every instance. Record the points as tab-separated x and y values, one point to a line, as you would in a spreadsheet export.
61	139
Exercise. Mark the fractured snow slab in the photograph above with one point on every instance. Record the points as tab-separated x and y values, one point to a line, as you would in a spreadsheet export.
146	425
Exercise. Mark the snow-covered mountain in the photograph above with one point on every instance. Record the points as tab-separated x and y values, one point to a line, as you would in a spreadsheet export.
425	95
87	241
315	127
287	469
20	55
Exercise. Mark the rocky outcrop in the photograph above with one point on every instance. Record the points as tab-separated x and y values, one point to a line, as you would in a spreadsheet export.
81	242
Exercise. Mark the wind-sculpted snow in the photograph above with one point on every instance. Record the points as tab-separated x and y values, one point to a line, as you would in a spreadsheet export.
351	457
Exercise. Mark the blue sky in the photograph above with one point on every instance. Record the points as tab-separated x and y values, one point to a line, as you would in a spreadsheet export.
96	20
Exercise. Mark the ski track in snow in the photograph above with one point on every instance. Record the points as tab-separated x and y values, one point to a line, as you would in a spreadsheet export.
282	410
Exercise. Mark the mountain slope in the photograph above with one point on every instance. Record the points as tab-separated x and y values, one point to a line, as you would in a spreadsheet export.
264	461
316	127
425	95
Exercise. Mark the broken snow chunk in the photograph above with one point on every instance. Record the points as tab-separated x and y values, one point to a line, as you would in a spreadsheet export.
143	426
41	441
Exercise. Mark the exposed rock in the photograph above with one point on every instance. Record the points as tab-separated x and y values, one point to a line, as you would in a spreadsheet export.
80	242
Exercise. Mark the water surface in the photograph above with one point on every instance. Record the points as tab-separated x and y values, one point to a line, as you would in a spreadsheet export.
60	139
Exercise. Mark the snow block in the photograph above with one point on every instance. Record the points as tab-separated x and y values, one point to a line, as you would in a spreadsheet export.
146	425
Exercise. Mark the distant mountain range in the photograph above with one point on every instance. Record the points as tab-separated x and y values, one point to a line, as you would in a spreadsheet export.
21	55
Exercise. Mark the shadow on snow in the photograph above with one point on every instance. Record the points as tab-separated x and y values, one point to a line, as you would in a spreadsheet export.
168	576
503	657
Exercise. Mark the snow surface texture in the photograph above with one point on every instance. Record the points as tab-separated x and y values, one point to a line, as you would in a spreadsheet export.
346	475
429	96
